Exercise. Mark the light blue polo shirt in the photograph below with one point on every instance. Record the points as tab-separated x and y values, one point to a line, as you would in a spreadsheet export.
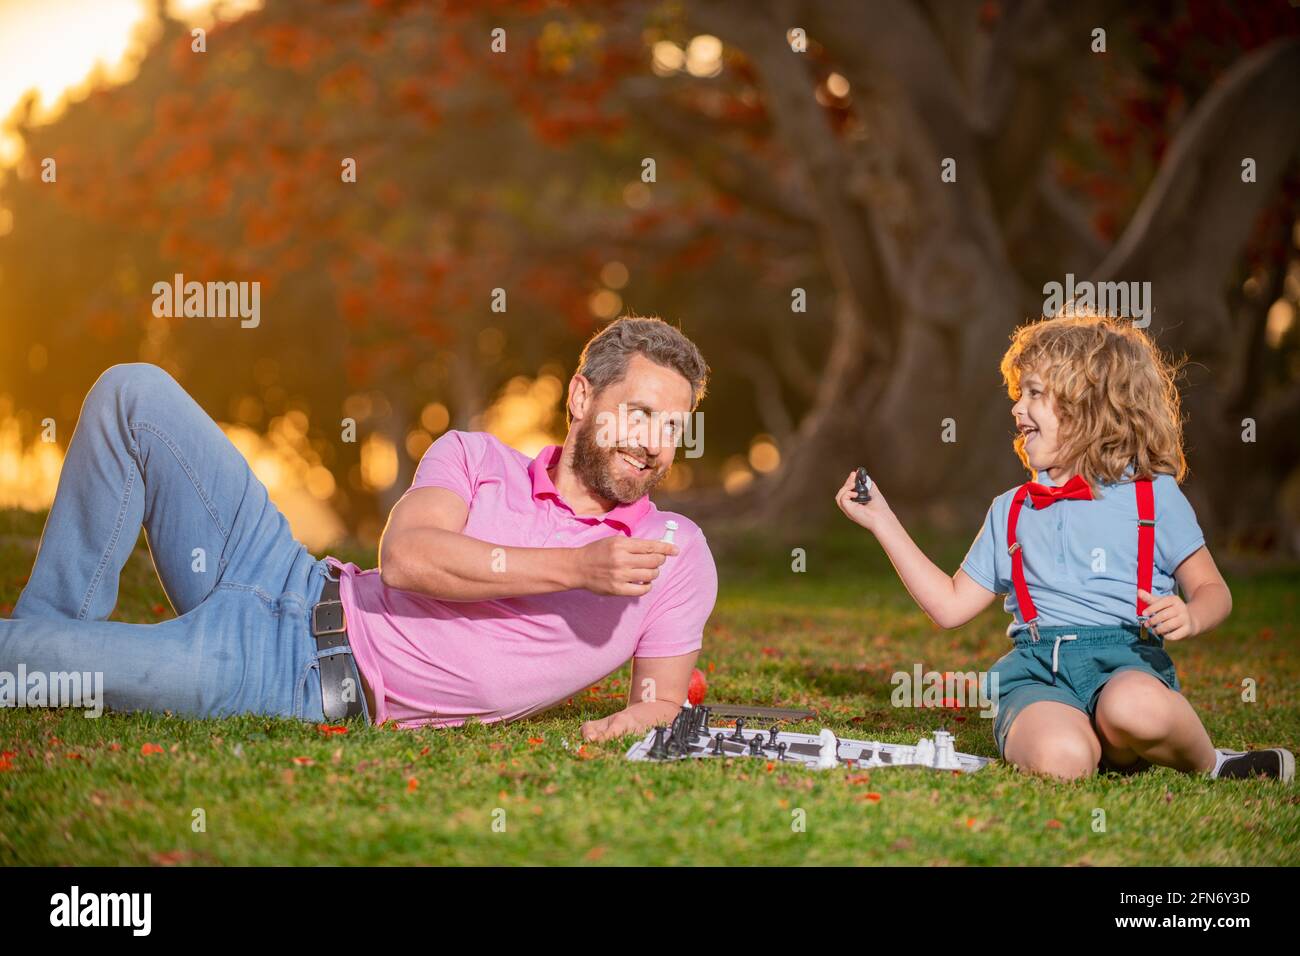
1080	557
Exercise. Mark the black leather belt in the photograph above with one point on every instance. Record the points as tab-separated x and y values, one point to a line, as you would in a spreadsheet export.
340	681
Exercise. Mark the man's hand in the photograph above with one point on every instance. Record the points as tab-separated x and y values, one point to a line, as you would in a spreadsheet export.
621	566
655	694
1169	616
614	726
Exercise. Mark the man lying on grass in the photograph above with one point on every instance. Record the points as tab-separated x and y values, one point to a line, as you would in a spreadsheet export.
505	586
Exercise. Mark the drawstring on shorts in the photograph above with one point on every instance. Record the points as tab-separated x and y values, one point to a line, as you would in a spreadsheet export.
1056	648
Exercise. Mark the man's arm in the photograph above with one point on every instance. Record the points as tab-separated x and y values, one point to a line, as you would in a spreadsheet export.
658	690
424	549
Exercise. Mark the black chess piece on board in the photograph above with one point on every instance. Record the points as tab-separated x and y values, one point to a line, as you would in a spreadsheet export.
657	749
738	735
861	487
703	722
718	750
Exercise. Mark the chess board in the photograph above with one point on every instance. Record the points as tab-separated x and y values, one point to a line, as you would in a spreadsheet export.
804	750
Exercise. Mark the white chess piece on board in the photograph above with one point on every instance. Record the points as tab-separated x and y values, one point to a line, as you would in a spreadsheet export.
828	752
668	535
945	754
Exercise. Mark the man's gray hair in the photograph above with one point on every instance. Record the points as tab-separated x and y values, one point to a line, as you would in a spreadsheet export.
605	357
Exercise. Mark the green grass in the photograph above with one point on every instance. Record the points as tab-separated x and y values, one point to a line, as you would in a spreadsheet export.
82	792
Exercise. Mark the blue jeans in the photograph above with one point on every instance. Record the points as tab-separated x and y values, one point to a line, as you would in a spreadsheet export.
144	453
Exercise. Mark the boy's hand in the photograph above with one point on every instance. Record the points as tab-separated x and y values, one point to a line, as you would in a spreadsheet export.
1169	616
867	515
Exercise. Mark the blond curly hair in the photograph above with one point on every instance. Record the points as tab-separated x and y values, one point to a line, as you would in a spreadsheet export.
1114	393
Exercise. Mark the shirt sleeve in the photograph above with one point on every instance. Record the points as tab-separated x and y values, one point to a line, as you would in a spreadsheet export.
1178	534
981	561
451	462
675	624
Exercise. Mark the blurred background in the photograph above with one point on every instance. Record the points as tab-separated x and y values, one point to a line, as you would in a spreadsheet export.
852	304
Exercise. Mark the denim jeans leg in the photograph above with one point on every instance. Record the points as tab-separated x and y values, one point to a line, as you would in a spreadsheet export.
144	453
240	651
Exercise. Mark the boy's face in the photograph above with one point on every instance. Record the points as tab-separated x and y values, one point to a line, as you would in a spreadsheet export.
1035	415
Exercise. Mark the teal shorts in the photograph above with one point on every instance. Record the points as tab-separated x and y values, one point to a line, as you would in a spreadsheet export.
1082	667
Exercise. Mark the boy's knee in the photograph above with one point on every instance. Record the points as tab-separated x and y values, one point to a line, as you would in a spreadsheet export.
1067	757
1138	711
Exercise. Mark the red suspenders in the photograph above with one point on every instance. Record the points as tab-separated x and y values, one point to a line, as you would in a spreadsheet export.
1146	537
1146	509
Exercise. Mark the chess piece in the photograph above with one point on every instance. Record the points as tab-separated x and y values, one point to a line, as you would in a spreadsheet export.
658	751
756	745
861	487
703	719
945	754
718	750
738	735
771	737
780	750
677	743
693	726
671	527
828	753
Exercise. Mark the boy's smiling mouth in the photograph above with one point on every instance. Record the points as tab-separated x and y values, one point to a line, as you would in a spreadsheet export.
1029	433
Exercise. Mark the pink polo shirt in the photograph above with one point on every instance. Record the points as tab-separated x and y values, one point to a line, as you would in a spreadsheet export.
438	662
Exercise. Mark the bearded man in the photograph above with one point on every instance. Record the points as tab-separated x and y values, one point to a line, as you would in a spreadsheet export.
505	584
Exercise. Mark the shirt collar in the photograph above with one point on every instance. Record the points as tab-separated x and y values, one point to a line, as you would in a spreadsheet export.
1045	479
624	516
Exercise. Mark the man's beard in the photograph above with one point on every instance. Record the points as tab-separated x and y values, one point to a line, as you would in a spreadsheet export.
596	467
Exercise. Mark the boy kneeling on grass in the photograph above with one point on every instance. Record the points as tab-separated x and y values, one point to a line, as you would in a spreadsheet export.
1088	556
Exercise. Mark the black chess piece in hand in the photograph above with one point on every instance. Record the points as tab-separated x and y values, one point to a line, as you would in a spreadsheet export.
861	487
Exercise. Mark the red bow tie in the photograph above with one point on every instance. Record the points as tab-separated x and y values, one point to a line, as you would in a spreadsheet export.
1044	496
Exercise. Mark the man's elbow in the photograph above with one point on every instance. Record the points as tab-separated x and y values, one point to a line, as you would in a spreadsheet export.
390	565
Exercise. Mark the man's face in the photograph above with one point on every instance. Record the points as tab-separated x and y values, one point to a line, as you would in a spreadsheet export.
629	431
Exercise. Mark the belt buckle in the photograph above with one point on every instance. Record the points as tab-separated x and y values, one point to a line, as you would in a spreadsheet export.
316	629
